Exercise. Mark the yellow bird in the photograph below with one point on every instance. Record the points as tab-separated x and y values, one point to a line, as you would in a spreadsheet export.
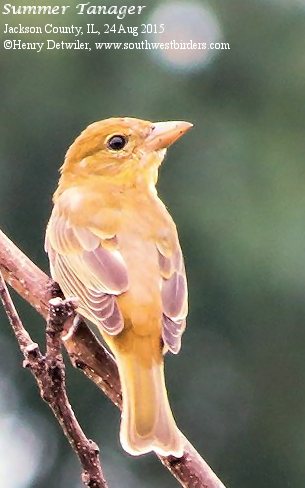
112	243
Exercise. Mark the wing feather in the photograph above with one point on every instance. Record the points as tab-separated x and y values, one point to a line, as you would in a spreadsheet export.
174	297
84	268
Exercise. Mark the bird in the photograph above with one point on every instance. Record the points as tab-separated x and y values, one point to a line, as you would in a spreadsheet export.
112	244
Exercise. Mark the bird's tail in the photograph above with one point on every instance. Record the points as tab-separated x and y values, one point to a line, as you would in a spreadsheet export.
147	421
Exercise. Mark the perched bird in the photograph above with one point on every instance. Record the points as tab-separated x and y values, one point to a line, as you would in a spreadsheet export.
112	243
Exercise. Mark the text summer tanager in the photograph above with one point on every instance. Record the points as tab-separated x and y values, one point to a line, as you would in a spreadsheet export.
112	244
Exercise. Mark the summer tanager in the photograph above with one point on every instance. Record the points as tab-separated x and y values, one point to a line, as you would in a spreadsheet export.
112	244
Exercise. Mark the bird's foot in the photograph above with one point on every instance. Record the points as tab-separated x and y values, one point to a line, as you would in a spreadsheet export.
71	327
68	306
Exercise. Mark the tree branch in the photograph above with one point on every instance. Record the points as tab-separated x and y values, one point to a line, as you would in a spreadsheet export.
88	354
49	373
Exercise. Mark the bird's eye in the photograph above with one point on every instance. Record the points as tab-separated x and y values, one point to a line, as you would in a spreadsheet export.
117	142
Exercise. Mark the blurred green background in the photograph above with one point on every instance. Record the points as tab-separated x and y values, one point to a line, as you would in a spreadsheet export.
235	187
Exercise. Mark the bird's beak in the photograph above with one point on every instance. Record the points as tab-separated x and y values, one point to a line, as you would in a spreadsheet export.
163	134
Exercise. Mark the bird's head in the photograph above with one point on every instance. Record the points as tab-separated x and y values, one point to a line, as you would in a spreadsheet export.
122	148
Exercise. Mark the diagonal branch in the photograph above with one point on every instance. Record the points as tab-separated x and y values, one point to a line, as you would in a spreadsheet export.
88	354
49	372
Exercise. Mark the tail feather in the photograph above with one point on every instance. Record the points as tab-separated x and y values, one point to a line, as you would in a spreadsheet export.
147	421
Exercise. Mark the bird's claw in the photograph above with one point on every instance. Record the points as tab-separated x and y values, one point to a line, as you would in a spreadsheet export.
71	327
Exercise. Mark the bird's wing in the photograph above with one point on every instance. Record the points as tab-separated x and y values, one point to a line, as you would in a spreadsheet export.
174	296
89	268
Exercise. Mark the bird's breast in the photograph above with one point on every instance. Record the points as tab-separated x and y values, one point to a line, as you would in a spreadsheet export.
142	227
